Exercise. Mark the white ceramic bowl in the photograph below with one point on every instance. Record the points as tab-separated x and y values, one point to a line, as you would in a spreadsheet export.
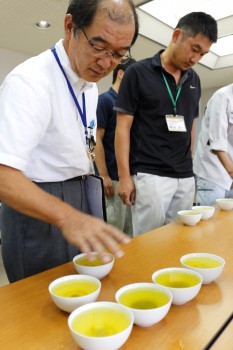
207	211
190	217
149	302
101	325
225	203
70	292
210	266
184	283
95	267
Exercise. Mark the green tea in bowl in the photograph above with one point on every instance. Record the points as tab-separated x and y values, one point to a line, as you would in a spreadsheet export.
70	292
190	217
184	284
94	267
101	325
148	302
210	266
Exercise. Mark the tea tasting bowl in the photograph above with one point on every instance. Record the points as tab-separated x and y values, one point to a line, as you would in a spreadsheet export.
95	267
148	302
207	211
210	266
70	292
101	325
183	283
190	217
225	203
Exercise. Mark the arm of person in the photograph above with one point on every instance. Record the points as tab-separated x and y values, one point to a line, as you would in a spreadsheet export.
225	160
193	134
83	231
101	163
126	189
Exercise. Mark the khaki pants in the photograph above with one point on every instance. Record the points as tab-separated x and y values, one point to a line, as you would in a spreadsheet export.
119	214
158	199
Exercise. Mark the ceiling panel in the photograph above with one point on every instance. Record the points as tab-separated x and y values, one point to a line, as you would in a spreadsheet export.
18	33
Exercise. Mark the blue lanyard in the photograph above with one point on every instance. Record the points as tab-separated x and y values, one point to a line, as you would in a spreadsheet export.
82	113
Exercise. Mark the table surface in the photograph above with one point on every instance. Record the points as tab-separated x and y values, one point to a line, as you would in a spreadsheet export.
225	340
30	320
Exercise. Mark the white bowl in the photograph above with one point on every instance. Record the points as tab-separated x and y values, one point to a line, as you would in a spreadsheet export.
149	302
225	203
101	325
79	290
95	267
190	217
184	283
207	211
210	266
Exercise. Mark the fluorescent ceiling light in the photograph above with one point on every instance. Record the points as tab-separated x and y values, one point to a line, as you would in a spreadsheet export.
163	15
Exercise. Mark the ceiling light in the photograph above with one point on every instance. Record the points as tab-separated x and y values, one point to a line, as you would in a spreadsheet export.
42	25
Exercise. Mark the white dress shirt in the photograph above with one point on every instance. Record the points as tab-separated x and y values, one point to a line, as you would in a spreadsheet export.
41	131
216	134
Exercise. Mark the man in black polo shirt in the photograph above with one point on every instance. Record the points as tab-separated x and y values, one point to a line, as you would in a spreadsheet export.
157	104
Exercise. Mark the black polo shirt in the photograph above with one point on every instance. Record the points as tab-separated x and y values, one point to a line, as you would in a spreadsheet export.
143	94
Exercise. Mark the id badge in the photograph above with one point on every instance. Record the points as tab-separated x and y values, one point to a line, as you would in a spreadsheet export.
175	123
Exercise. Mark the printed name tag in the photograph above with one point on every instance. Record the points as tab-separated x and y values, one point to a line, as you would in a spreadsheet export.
175	123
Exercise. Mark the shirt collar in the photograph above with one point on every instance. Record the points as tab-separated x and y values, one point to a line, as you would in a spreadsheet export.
156	63
113	92
74	79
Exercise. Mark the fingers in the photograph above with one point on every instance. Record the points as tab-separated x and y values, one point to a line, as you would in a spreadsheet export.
109	191
125	199
106	239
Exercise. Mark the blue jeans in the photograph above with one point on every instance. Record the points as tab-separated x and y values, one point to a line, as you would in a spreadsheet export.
207	192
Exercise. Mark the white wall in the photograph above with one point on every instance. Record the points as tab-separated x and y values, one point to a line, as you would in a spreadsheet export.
9	59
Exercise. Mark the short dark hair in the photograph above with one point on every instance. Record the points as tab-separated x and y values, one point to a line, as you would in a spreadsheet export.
83	13
123	67
195	23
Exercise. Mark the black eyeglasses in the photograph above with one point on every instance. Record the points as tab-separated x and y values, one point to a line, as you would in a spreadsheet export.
101	52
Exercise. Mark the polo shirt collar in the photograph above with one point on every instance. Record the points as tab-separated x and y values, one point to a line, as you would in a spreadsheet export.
113	92
156	63
74	79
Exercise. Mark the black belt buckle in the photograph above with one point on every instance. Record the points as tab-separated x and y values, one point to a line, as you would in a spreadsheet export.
77	178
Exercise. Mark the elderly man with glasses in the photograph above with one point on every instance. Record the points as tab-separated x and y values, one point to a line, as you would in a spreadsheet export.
48	124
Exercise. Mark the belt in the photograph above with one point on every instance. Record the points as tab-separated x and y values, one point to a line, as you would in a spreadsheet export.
77	178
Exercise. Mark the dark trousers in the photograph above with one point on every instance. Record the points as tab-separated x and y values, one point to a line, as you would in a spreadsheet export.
30	246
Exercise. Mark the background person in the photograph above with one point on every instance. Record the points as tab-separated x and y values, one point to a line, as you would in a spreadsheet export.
157	103
44	146
118	214
213	159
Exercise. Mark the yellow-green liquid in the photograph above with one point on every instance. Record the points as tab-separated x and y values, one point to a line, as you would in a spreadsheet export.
101	322
85	262
190	213
75	288
202	262
177	279
143	299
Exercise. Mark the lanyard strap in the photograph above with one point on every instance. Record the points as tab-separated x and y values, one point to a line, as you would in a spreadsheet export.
82	113
170	93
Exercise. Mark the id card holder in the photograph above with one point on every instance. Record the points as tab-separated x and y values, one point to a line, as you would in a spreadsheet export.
94	189
175	123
